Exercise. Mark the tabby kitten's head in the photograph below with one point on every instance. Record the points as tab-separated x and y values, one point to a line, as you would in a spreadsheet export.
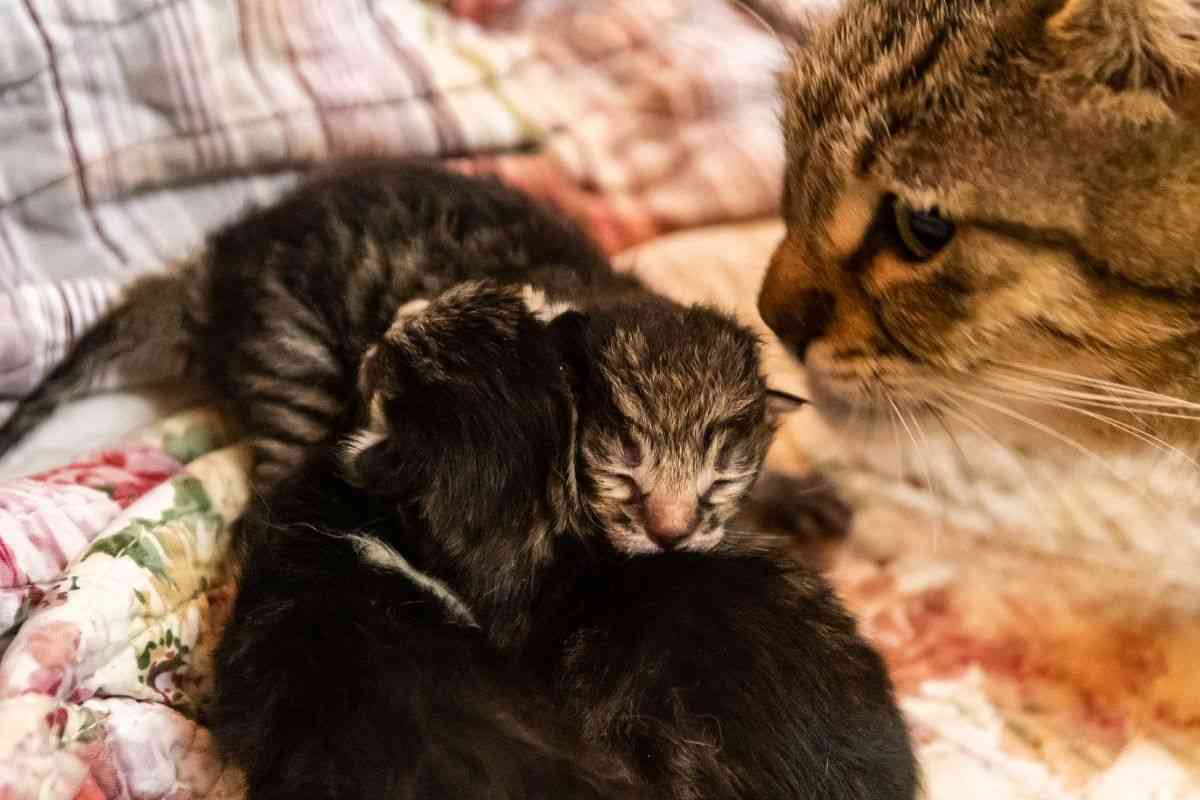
648	423
675	420
993	206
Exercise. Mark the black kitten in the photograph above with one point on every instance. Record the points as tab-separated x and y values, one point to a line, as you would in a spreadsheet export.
708	676
344	673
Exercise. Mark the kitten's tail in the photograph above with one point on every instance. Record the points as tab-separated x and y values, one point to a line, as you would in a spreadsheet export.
142	339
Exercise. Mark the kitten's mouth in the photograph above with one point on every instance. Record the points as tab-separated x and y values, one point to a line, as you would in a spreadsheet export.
637	543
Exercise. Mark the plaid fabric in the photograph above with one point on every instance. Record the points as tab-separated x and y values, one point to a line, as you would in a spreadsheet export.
132	127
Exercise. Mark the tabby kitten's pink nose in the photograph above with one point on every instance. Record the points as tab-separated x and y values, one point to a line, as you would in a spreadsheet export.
670	520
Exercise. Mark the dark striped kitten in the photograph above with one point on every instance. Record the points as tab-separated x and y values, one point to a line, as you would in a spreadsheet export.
715	676
278	308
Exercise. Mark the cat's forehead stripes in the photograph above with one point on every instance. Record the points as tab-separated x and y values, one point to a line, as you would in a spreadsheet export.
855	91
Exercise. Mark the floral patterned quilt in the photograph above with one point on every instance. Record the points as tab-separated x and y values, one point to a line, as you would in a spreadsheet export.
113	584
1020	681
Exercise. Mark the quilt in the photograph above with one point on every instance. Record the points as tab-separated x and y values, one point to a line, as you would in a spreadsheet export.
1019	678
133	127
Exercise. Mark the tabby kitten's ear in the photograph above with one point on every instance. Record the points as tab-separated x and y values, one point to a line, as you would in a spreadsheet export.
1148	46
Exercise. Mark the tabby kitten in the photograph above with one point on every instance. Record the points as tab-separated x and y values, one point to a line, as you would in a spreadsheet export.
277	310
991	212
714	676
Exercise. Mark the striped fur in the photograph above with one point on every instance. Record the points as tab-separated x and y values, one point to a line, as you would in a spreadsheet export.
673	417
277	311
720	675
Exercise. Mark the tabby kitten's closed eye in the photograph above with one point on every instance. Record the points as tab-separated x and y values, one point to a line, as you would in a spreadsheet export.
991	213
676	420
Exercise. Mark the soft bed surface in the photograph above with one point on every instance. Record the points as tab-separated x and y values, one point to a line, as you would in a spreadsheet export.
132	128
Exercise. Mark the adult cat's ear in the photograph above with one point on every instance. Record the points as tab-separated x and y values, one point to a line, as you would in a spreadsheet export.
780	404
1141	46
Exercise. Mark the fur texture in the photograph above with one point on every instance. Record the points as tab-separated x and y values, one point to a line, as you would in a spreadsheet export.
289	307
690	676
345	674
276	312
674	415
722	675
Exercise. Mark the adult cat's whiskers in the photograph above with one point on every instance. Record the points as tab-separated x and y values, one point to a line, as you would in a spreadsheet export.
1110	389
962	414
923	454
1041	427
1143	435
1035	393
939	412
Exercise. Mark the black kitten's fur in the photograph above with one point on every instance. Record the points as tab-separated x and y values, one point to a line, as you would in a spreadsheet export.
338	679
343	677
705	676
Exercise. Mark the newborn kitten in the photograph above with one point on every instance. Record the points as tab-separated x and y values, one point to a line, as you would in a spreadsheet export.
723	675
675	417
275	312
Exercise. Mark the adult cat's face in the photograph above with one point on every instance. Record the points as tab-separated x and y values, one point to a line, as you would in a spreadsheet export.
994	208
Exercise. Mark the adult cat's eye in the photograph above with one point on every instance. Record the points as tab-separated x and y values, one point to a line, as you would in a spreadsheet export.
923	234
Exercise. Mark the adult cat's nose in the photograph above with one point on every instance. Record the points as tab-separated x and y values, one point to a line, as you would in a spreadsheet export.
670	521
797	317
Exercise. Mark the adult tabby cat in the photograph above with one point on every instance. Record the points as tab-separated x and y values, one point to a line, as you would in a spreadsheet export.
716	675
992	213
